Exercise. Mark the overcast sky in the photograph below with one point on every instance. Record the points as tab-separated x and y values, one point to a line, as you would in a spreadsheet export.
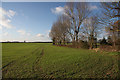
30	21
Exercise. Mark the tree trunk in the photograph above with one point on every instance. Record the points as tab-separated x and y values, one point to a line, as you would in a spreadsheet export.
91	41
76	42
76	37
114	40
53	41
73	41
64	40
60	42
91	44
114	44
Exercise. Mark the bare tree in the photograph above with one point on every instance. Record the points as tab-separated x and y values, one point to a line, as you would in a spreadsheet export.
60	30
91	30
113	31
77	12
53	33
111	15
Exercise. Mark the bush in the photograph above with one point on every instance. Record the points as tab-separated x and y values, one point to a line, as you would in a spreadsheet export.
83	44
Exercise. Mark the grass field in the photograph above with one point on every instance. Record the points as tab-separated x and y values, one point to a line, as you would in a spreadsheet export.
43	60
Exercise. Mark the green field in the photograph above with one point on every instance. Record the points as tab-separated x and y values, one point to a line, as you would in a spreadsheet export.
43	60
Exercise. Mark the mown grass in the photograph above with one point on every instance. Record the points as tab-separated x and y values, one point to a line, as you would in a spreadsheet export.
43	60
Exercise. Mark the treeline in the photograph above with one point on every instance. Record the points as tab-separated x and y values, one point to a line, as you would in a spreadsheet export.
82	26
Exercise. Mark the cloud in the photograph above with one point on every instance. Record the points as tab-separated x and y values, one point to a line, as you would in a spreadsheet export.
2	11
40	35
11	13
93	7
5	23
43	37
22	32
47	34
6	16
58	10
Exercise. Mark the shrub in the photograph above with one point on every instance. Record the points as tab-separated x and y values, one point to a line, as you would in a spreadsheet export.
83	44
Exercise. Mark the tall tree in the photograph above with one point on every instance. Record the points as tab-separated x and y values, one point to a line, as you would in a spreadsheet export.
77	12
111	15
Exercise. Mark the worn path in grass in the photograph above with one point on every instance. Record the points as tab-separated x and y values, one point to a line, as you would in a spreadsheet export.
43	60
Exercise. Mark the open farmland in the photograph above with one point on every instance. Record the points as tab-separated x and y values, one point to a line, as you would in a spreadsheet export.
43	60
